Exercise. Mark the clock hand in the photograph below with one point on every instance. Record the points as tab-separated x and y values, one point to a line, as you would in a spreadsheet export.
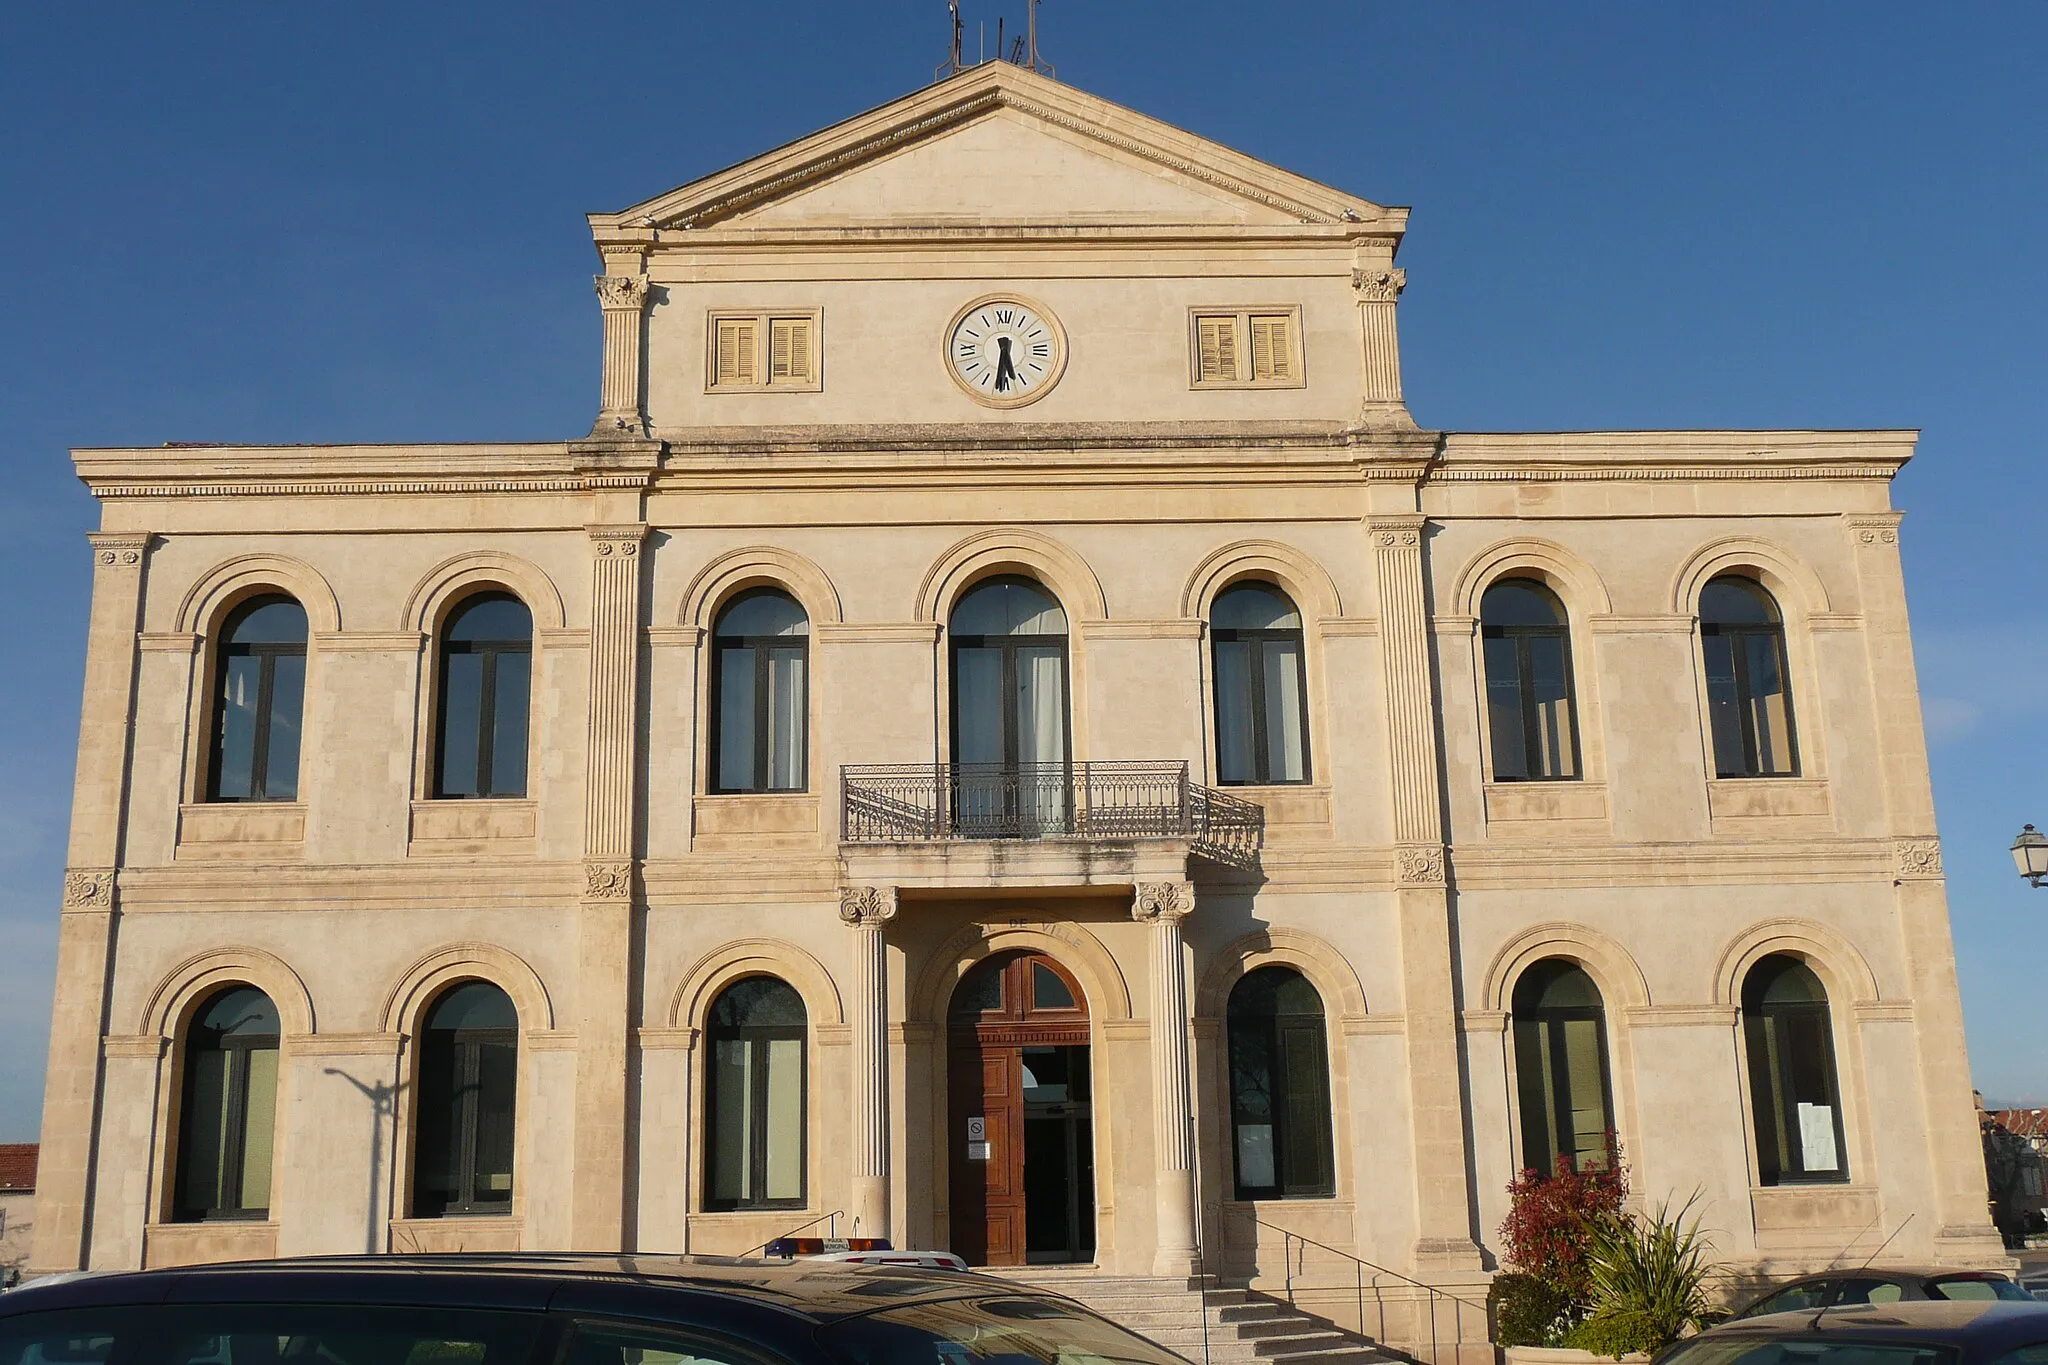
1005	370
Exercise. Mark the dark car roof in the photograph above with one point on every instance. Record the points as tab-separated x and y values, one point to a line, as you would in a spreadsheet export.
662	1288
1893	1272
1983	1327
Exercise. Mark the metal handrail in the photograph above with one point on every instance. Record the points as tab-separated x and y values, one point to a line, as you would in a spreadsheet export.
835	1216
1359	1266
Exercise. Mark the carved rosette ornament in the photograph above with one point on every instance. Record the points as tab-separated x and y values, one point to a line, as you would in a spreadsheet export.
89	888
1916	859
1154	901
1379	286
867	907
1421	866
117	551
622	291
607	881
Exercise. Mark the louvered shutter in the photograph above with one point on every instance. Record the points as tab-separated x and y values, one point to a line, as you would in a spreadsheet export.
789	351
1216	342
1272	349
736	359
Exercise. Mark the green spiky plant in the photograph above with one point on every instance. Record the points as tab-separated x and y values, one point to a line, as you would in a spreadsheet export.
1646	1282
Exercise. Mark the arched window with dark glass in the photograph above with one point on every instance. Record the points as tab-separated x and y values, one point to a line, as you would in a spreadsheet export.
259	684
1261	687
1560	1030
760	694
755	1097
466	1103
1010	738
227	1121
486	677
1749	692
1529	702
1280	1087
1792	1085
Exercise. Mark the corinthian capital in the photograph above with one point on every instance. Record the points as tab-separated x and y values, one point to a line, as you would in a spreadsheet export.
867	907
1156	901
1379	286
622	291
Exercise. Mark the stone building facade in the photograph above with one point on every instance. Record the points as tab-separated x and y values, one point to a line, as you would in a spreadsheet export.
1008	732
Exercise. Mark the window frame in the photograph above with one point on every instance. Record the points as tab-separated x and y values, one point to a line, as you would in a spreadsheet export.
1275	1028
1257	639
1525	698
1242	315
267	654
1009	646
1783	1115
487	698
234	1111
1737	634
764	320
800	645
1553	1042
756	1156
465	1121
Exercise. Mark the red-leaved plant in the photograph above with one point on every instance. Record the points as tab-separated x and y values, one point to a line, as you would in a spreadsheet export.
1551	1217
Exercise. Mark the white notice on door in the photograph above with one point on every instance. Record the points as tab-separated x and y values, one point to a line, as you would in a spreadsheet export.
1817	1138
977	1151
977	1129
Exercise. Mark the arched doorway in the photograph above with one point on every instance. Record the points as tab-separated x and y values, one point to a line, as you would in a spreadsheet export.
1019	1130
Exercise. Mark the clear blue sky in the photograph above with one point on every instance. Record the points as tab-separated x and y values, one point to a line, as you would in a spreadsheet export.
363	222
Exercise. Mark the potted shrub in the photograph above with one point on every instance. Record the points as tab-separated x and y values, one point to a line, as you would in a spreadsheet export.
1548	1235
1646	1281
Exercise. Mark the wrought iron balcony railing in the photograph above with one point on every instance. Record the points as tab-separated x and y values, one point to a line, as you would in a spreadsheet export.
911	802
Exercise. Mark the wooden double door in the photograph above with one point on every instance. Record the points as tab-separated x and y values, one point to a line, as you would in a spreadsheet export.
1020	1128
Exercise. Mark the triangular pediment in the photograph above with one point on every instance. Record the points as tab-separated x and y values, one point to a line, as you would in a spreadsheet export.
999	145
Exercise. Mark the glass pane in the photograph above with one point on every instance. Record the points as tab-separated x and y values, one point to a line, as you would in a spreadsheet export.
981	990
1048	992
729	1145
268	621
234	766
1551	698
1554	984
471	1006
1306	1132
1723	714
1008	606
508	741
1769	703
1269	991
1520	602
736	704
625	1347
1736	602
1045	1074
287	697
1256	1167
978	705
259	1127
242	1013
435	1184
1286	737
998	1329
1504	709
497	1092
784	1177
241	1333
203	1139
762	612
1041	705
786	714
1234	760
1587	1084
462	682
1254	606
492	617
758	1002
1534	1093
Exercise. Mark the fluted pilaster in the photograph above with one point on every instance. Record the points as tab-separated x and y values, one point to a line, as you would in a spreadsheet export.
1378	290
624	300
867	910
1164	905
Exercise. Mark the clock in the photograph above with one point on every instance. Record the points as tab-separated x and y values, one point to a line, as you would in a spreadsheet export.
1005	351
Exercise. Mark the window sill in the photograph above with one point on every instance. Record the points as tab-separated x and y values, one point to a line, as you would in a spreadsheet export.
455	828
736	821
1750	804
175	1244
458	1232
1546	810
226	830
1296	812
1793	1219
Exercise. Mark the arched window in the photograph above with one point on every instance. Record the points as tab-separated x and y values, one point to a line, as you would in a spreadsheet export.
754	1100
227	1124
486	672
1010	740
760	694
1560	1028
1261	687
1749	694
259	685
1528	645
1280	1087
466	1100
1792	1086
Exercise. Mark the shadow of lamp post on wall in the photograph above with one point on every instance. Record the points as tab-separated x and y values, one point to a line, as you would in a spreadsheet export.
2030	854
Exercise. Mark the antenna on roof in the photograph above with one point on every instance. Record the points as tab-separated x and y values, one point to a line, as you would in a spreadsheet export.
952	66
1033	60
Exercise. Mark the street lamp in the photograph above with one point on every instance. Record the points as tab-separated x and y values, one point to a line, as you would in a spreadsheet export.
2030	854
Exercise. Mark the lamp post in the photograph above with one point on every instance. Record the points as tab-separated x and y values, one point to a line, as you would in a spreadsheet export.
2030	855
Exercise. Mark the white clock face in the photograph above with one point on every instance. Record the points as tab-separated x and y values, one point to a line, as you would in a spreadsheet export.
1005	352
